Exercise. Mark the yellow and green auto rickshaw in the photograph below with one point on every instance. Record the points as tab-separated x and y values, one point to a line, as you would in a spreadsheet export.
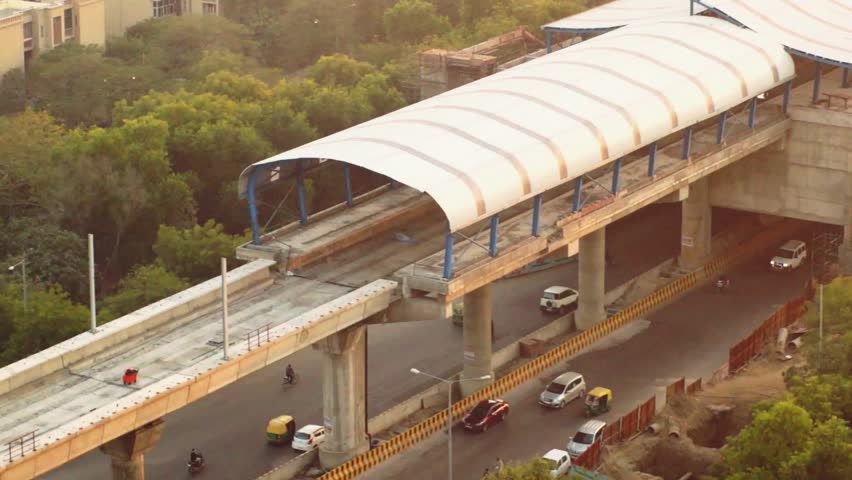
597	401
280	430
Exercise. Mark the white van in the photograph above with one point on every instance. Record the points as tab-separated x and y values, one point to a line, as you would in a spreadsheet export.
589	433
308	438
789	256
563	389
558	299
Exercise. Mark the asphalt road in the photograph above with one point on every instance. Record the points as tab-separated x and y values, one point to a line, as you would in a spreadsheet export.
689	337
229	426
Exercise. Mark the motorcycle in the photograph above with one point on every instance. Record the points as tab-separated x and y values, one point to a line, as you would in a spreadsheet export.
195	466
722	284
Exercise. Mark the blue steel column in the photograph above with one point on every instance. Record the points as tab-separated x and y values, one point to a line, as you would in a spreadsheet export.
687	143
845	82
252	201
616	170
300	184
720	132
752	112
652	158
492	241
448	256
578	193
788	90
817	80
347	181
536	214
547	41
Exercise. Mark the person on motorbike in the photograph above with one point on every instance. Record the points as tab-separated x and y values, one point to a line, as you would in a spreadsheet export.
723	282
195	457
290	375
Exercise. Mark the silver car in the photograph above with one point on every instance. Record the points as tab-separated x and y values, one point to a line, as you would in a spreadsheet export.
563	389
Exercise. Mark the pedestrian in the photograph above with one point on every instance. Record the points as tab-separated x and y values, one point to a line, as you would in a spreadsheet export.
485	473
499	465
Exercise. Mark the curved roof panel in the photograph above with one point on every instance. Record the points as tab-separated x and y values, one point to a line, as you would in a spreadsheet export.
821	28
493	143
623	12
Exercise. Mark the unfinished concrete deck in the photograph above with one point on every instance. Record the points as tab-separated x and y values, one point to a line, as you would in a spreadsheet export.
473	267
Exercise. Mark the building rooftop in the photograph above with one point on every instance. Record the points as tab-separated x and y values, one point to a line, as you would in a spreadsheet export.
11	8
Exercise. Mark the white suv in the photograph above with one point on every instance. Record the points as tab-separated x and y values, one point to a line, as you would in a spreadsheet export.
558	299
789	256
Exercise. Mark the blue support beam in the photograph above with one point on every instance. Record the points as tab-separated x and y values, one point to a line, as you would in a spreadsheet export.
300	187
817	81
347	181
752	112
492	240
616	171
448	256
578	194
652	159
845	82
788	91
687	143
720	131
536	214
547	41
252	201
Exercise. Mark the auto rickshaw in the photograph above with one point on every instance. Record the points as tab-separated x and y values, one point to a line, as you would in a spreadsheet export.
280	430
597	401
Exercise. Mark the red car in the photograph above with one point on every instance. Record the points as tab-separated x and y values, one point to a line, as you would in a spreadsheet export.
485	413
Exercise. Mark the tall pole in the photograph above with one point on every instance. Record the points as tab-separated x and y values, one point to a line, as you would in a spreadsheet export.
819	358
450	429
92	310
24	273
225	306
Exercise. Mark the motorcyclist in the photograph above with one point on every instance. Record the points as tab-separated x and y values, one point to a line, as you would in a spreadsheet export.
723	282
195	457
290	374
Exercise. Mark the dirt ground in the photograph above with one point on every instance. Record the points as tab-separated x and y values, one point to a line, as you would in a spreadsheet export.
691	429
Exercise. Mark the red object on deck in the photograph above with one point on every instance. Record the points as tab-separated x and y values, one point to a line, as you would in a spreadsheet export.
130	376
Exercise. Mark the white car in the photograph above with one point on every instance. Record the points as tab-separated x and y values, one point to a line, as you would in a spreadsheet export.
563	389
589	433
558	299
789	256
308	438
558	461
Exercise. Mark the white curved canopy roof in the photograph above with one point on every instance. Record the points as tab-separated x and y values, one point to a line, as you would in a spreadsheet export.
822	28
493	143
623	12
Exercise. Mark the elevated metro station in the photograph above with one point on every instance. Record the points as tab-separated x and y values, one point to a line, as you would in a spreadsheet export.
533	162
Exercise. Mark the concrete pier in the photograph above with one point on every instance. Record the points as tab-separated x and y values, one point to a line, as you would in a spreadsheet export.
696	227
344	394
477	339
591	306
127	452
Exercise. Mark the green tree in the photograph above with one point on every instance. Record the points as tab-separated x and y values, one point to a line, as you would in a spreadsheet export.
242	88
79	86
823	396
13	92
194	253
827	457
317	27
339	70
50	317
410	21
764	448
213	61
284	127
54	256
143	286
333	109
380	93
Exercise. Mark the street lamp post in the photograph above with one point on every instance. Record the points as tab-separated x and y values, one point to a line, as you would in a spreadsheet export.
449	384
23	264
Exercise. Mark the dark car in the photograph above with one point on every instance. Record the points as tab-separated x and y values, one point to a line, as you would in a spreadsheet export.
485	413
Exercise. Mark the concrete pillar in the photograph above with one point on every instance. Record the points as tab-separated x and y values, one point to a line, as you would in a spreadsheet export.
695	230
845	252
477	339
344	394
127	452
591	306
